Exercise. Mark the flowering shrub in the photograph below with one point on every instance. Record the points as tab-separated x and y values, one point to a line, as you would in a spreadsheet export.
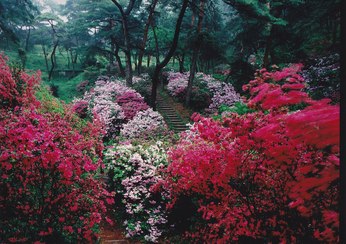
204	87
16	87
270	176
80	107
47	165
134	170
145	123
322	77
131	103
82	86
110	114
277	89
224	96
113	102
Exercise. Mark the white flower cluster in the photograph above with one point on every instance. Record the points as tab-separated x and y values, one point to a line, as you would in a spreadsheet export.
145	123
136	170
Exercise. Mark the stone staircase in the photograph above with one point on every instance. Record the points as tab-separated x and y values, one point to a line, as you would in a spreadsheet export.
171	117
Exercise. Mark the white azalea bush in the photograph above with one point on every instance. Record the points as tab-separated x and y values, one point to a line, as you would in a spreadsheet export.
145	124
134	170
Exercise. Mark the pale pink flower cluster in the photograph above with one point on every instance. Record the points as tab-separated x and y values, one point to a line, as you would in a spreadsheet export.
102	100
145	123
177	82
136	169
227	96
222	93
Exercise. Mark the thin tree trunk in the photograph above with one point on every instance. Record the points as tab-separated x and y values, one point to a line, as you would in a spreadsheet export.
27	40
127	51
68	59
161	65
157	51
195	55
45	57
267	50
120	65
52	58
145	35
148	61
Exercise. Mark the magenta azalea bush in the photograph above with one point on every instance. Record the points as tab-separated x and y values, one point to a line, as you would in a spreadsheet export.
48	167
270	175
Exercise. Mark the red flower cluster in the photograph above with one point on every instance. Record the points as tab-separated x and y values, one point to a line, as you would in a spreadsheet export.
47	167
272	90
16	87
271	176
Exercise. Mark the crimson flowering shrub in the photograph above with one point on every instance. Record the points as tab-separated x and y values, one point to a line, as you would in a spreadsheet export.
270	175
48	161
16	87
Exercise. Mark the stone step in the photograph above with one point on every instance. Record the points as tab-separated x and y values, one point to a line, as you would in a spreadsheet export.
180	125
114	241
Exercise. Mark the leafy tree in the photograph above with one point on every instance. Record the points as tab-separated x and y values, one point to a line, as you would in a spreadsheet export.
12	17
164	62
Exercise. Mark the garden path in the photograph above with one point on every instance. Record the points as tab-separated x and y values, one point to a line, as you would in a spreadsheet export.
175	115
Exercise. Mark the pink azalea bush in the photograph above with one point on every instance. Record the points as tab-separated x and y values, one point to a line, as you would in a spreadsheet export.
271	175
112	102
145	124
220	92
134	171
48	164
131	103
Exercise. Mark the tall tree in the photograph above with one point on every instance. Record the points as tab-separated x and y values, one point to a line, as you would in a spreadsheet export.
124	17
164	62
195	52
13	16
148	23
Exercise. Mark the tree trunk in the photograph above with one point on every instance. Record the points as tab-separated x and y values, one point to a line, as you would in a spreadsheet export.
161	65
145	35
52	58
68	59
181	63
127	51
27	40
148	61
267	51
195	55
120	65
45	57
157	51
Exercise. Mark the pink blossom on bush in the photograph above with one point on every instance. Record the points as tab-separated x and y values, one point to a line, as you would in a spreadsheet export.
131	102
145	123
226	95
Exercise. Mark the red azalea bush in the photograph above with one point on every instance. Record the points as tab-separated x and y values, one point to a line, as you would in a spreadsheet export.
271	176
47	166
16	87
